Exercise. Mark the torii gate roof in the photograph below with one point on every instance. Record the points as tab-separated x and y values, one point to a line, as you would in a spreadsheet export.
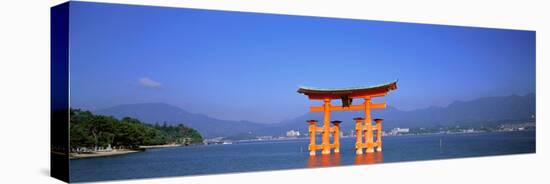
351	92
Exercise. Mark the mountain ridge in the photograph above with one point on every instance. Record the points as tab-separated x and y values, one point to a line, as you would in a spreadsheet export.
158	112
480	110
487	109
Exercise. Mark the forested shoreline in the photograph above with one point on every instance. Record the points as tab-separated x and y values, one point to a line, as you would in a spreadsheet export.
90	132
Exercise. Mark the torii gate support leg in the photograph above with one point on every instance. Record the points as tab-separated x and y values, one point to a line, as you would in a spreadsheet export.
378	134
358	135
336	135
312	134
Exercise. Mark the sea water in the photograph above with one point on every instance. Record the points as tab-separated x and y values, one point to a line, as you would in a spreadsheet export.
293	154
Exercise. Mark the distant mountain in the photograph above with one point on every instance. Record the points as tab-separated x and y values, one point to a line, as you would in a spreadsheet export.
160	112
488	109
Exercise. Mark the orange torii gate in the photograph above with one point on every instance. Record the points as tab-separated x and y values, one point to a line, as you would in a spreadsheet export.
363	125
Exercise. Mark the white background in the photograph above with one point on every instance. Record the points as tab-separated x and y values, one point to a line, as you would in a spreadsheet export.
24	90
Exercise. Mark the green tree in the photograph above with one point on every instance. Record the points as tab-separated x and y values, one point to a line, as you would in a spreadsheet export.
94	131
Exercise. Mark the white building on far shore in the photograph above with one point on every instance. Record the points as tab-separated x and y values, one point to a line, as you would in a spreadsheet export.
397	131
293	133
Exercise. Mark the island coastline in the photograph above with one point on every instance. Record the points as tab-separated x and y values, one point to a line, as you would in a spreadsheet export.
116	152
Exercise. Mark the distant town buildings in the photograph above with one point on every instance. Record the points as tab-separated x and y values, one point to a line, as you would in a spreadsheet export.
267	137
293	133
397	131
215	140
453	129
516	126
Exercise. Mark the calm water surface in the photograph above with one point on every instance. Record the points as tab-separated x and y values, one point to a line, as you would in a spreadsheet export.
260	156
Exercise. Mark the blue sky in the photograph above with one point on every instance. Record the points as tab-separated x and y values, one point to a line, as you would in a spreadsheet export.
248	66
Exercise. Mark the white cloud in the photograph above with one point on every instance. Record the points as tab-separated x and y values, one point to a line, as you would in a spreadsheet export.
150	83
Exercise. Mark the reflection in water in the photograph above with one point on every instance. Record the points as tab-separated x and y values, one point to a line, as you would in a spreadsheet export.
334	159
369	158
324	160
